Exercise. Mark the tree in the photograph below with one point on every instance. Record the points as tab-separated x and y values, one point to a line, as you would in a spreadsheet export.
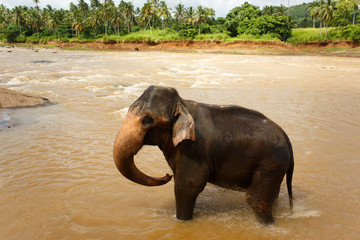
117	19
356	10
94	19
326	13
127	10
202	15
147	11
190	15
37	2
107	13
179	13
33	19
18	15
163	12
239	14
314	11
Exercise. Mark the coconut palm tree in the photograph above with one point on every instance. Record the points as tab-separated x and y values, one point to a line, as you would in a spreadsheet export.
127	10
179	13
147	11
94	19
94	4
117	19
326	13
33	19
314	11
37	2
190	15
202	15
163	12
355	9
18	16
107	13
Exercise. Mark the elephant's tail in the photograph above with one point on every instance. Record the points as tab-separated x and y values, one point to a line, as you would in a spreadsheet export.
289	174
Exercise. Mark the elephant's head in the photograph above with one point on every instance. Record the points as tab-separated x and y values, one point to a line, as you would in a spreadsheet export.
157	117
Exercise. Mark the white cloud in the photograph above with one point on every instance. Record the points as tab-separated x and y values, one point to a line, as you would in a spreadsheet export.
221	7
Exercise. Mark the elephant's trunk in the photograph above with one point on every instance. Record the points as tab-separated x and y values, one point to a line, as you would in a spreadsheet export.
127	143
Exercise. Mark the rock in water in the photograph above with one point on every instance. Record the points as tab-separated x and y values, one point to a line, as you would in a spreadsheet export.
13	99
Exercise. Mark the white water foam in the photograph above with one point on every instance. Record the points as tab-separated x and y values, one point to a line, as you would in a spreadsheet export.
121	113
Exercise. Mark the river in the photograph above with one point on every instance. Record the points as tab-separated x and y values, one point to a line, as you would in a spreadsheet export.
58	179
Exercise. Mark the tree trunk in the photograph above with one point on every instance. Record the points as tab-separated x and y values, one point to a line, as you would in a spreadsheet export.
354	17
326	24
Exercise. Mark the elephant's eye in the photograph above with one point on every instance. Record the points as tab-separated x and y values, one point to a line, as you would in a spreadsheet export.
147	120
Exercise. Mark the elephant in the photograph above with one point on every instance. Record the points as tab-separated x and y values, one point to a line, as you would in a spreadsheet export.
229	146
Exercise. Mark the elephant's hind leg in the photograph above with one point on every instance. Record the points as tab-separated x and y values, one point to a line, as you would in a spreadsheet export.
263	191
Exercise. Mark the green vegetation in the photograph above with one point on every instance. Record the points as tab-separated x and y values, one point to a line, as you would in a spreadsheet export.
155	22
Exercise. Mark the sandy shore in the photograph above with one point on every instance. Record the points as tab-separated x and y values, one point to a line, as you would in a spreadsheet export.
13	99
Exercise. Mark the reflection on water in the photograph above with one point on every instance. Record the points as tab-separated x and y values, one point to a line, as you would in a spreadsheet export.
58	181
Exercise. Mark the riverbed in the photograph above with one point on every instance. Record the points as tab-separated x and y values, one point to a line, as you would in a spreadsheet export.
58	179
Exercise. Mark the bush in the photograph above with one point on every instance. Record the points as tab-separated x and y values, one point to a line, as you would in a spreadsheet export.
218	29
11	33
188	33
135	29
351	32
277	26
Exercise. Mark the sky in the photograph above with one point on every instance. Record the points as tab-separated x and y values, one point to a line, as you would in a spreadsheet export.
222	7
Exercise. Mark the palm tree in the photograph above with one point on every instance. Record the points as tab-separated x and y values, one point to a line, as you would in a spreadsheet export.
314	11
127	10
94	4
179	13
18	11
190	15
37	2
327	12
163	12
117	19
95	19
33	19
147	11
107	13
356	9
202	15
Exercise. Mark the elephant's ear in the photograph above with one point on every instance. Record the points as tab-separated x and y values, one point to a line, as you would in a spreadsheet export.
184	126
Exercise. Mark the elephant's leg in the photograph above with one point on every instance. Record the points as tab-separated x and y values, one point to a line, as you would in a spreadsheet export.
263	191
190	181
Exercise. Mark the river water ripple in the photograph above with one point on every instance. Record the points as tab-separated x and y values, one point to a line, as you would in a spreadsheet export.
58	180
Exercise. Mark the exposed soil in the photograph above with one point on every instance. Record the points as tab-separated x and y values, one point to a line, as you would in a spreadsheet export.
341	48
331	48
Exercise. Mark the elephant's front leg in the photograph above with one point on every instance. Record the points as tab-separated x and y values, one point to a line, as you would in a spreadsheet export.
190	181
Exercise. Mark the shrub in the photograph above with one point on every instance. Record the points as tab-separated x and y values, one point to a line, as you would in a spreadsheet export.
351	32
188	33
135	29
11	33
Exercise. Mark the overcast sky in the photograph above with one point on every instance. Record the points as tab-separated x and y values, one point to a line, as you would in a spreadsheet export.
221	7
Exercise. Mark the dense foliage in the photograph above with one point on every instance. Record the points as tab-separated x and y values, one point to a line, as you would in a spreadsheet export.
106	20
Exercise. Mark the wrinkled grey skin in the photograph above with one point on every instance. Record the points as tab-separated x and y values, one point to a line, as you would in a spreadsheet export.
230	146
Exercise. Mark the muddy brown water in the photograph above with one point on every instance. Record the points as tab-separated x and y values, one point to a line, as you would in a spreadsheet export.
58	179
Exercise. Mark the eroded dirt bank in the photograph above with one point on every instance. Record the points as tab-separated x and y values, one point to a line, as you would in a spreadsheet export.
337	48
330	48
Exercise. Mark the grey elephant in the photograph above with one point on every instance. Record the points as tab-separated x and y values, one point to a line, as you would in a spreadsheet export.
229	146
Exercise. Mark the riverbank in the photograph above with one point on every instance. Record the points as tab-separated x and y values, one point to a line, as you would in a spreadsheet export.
343	48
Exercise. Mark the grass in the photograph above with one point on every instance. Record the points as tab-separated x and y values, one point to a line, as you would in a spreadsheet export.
303	35
299	35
